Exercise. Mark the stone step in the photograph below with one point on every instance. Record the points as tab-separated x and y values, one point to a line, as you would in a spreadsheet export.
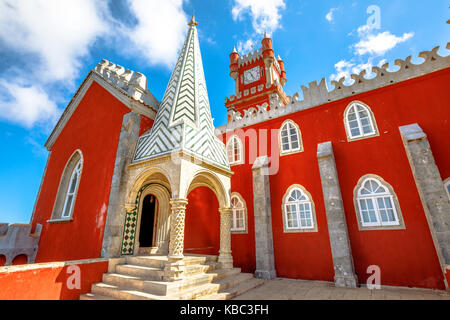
147	261
212	288
236	290
117	292
92	296
220	274
156	261
149	273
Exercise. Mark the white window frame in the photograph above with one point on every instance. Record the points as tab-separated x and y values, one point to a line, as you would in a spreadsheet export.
73	166
243	208
76	171
232	143
373	197
288	125
285	210
353	106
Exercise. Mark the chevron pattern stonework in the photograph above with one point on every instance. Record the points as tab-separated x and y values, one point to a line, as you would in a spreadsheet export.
183	121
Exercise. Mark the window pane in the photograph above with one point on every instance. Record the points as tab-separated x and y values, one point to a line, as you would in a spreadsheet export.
66	212
355	132
73	183
367	129
351	116
295	145
353	124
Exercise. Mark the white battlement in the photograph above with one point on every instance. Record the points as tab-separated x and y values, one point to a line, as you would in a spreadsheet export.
250	57
16	240
133	83
318	94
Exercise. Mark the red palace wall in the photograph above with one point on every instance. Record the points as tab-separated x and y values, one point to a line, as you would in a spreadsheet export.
202	223
94	128
49	282
406	257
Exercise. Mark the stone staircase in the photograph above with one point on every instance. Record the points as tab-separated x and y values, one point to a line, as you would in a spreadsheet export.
141	278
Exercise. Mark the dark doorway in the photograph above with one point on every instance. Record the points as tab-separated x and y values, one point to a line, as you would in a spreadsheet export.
147	221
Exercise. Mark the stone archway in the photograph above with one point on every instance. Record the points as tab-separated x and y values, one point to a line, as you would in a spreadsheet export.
155	182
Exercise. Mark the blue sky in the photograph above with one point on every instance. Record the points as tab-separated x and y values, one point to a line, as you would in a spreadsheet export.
47	48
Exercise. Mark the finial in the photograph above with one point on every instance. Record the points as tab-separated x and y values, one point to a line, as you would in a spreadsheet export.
234	49
193	22
265	34
278	57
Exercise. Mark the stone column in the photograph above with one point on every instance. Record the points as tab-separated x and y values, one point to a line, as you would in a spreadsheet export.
174	269
431	189
344	271
225	257
115	217
265	262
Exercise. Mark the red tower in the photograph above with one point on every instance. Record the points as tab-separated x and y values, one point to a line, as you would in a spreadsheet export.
258	77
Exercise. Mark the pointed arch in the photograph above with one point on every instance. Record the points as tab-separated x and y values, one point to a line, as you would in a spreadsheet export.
290	138
299	213
376	204
359	121
66	196
235	150
239	224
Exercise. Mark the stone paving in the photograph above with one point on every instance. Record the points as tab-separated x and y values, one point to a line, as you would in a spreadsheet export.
289	289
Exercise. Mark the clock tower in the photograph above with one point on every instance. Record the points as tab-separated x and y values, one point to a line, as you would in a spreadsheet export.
259	77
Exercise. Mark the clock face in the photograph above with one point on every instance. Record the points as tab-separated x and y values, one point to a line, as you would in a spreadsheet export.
251	75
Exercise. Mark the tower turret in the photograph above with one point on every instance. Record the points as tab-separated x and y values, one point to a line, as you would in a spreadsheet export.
234	67
283	79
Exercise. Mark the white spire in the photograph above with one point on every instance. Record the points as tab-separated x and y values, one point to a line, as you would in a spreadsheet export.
183	121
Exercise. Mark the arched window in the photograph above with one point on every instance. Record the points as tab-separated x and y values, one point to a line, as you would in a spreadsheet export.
298	211
239	211
447	187
68	188
290	138
359	121
376	203
234	150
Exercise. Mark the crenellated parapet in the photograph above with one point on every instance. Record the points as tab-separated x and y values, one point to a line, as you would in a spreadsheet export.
16	239
250	57
132	83
317	94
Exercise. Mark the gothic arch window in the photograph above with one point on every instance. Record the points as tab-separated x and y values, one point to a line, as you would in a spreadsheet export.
234	150
359	121
290	138
68	189
298	211
447	187
377	205
239	214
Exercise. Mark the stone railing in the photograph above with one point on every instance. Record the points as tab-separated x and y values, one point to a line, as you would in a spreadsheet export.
318	94
132	83
16	240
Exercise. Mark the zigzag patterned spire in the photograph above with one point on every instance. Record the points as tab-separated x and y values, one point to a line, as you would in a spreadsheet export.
183	121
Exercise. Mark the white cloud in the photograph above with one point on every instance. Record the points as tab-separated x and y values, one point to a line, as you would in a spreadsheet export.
265	14
26	105
160	29
379	44
58	32
329	15
56	35
244	47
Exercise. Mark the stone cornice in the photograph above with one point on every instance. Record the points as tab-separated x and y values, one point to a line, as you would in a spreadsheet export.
318	94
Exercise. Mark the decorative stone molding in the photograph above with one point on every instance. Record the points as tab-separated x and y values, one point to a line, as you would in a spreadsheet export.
174	270
344	271
265	262
16	240
225	257
431	189
317	94
133	83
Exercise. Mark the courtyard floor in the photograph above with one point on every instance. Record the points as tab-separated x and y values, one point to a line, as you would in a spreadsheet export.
288	289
